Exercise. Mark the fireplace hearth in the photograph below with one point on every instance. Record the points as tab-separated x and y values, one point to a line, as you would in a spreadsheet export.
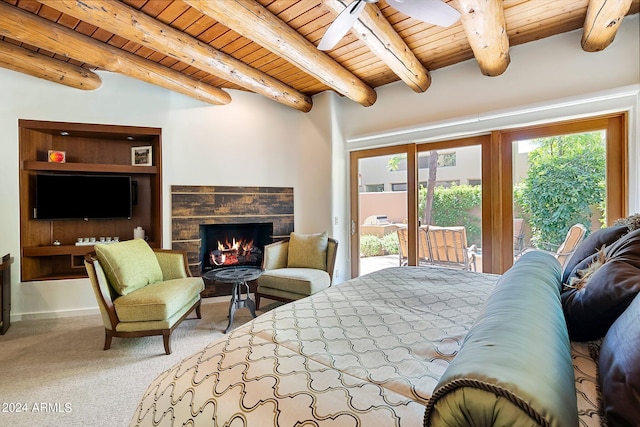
228	245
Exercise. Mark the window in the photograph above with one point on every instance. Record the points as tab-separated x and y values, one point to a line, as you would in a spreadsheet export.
444	160
401	186
491	204
374	188
534	156
561	177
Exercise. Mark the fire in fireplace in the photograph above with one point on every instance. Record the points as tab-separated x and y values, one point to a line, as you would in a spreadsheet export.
226	245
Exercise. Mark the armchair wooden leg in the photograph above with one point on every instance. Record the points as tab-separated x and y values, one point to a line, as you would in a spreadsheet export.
166	336
257	297
108	335
198	312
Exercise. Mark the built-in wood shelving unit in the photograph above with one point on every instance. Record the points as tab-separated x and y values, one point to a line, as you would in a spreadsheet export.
90	149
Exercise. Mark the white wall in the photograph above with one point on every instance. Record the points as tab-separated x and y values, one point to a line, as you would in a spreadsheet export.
251	142
255	141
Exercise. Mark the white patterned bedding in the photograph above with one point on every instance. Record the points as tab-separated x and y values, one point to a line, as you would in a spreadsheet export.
584	356
367	352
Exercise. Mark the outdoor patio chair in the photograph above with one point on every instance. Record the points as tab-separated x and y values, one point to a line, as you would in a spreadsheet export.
403	245
448	247
518	236
574	236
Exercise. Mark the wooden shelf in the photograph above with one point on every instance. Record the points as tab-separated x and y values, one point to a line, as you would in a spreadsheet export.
61	276
38	251
54	250
35	165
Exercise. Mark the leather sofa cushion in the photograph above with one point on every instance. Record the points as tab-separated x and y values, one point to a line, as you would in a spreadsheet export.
592	244
590	311
308	250
620	368
129	265
304	281
514	367
158	301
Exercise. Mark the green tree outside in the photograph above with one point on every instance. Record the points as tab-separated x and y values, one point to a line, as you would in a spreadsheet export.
566	179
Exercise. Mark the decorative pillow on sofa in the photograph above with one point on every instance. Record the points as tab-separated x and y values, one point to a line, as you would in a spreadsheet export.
620	368
308	250
129	265
592	244
590	311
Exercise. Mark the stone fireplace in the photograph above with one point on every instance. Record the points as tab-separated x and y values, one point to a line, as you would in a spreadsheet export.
194	206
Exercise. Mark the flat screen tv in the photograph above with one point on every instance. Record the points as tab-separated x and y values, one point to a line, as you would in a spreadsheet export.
77	196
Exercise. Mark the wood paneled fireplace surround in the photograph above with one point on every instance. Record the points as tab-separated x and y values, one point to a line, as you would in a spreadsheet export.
233	215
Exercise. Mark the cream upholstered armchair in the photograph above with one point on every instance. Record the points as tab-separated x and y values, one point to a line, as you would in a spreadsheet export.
297	267
142	291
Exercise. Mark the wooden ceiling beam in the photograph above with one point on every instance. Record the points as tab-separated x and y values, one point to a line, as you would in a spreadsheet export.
377	33
256	23
28	28
484	24
138	27
602	22
35	64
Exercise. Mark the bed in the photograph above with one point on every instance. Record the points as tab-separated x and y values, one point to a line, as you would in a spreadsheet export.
367	352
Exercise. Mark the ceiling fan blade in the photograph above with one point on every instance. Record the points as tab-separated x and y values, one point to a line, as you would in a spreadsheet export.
434	12
341	25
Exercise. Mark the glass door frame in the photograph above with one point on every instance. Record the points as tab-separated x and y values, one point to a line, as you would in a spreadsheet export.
412	213
411	151
497	182
617	167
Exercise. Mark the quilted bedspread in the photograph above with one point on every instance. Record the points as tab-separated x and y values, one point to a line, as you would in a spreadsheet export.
367	352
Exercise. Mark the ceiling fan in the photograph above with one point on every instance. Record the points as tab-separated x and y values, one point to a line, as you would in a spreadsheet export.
434	12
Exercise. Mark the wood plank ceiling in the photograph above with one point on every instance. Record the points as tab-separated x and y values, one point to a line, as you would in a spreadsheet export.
202	47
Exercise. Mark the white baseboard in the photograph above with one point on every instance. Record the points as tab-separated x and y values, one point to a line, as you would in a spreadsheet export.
54	314
42	315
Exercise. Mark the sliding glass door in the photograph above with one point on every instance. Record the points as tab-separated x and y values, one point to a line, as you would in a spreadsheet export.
509	190
450	201
566	174
379	188
397	192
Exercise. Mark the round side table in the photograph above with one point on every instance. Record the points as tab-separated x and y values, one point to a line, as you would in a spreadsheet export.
238	276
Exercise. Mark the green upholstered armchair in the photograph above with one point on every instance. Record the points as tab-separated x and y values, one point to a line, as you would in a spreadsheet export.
297	267
142	291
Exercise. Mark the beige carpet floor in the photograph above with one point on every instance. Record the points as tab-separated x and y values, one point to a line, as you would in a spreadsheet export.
55	373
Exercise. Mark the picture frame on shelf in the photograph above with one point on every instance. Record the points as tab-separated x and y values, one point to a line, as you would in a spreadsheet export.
142	156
